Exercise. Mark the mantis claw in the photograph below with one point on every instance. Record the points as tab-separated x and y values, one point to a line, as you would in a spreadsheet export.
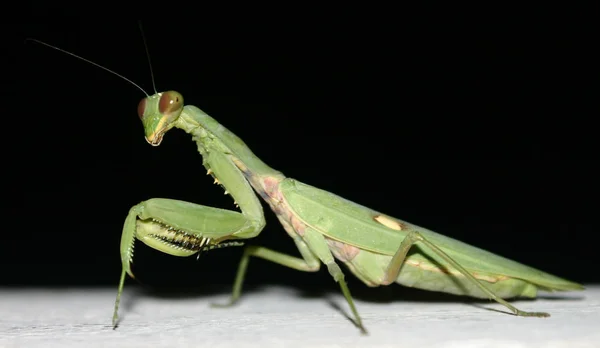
532	314
223	305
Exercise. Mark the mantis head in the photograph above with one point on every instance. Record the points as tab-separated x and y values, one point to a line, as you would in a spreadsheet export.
158	113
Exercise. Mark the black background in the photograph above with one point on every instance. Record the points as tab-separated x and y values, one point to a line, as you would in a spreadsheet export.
481	132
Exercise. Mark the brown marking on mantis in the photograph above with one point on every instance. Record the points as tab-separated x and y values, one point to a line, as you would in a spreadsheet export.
432	268
297	225
267	187
389	222
277	210
269	190
271	186
342	251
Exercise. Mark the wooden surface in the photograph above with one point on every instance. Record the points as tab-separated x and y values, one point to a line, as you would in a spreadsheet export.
287	317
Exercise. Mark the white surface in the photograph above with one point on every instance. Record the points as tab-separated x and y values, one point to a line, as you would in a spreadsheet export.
283	317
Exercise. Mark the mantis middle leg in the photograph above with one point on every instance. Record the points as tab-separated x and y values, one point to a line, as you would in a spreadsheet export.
314	250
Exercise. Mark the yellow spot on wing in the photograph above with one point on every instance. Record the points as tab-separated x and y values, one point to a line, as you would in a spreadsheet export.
388	222
239	164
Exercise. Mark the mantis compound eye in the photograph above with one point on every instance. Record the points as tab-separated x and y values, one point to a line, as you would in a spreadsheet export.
170	102
141	108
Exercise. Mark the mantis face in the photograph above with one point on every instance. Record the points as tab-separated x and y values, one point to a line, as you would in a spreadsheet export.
158	113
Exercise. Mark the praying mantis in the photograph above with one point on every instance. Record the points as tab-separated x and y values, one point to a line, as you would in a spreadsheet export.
327	229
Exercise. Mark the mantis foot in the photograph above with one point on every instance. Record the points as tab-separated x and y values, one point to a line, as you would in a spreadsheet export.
229	304
520	313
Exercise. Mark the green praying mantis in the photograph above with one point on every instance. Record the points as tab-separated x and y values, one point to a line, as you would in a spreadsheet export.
326	228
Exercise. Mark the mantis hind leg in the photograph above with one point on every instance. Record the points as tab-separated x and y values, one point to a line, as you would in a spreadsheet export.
413	237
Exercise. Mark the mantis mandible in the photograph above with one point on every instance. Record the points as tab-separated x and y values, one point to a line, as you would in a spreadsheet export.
327	229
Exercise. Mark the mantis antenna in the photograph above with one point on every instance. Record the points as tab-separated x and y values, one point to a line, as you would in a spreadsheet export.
148	56
96	64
